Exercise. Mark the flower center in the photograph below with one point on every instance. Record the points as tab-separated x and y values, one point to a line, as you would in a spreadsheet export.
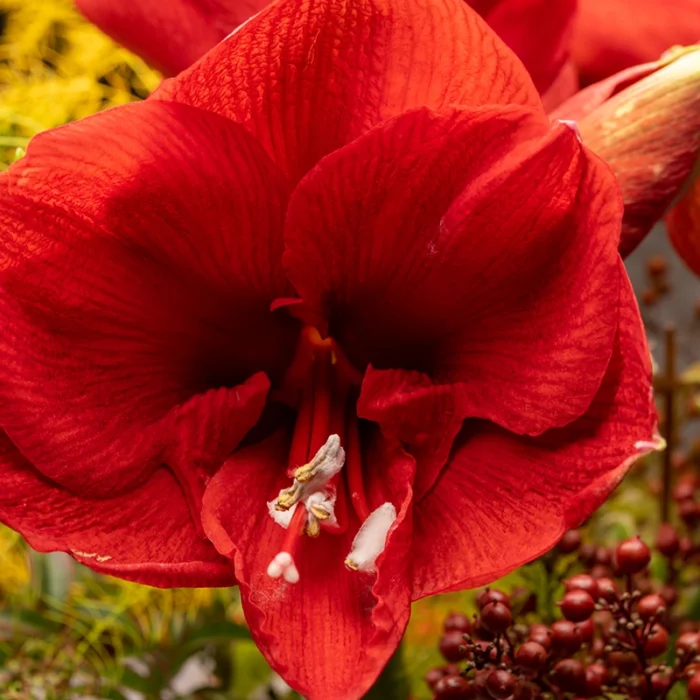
325	448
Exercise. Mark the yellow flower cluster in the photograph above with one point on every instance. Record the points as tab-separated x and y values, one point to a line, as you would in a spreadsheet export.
56	67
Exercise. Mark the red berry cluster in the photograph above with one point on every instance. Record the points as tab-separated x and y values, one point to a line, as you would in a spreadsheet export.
613	638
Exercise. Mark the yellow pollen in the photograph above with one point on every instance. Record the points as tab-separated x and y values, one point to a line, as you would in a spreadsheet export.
313	529
320	512
287	498
351	564
305	473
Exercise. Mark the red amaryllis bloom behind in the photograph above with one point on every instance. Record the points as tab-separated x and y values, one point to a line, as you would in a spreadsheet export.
612	35
645	123
172	35
339	317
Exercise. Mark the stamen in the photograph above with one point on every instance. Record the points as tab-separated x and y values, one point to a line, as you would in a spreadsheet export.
370	540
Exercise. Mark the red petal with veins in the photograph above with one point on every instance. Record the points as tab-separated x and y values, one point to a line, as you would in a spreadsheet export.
538	31
477	247
503	500
169	34
139	252
348	623
145	535
308	77
684	227
611	35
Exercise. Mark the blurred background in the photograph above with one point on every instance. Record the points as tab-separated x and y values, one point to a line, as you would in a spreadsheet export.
68	633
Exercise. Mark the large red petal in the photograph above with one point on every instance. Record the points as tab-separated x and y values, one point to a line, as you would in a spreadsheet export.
307	77
612	35
502	500
479	247
684	227
539	31
330	634
139	252
145	535
169	34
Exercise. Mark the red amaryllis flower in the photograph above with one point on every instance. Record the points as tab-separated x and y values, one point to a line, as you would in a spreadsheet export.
339	317
172	35
645	123
612	35
684	227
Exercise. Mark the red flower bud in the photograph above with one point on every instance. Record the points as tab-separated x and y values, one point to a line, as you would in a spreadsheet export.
645	123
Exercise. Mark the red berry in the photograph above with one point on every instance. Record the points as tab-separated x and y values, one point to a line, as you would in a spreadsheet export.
566	638
626	661
452	646
650	606
607	589
526	691
688	643
433	676
587	630
603	556
454	688
583	582
577	605
586	554
694	687
570	542
457	621
632	556
661	682
541	634
500	684
596	677
480	632
492	595
667	540
570	676
496	618
656	642
670	594
688	512
531	656
684	489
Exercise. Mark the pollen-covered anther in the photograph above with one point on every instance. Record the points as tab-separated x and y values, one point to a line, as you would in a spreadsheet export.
320	511
312	477
313	528
283	566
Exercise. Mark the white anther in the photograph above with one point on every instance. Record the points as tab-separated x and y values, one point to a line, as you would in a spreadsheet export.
370	539
283	565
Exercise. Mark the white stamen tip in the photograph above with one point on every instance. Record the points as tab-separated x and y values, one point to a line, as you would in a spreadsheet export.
291	574
283	565
370	539
274	570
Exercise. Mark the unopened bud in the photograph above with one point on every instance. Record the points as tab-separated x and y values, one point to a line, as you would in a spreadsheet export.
645	123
